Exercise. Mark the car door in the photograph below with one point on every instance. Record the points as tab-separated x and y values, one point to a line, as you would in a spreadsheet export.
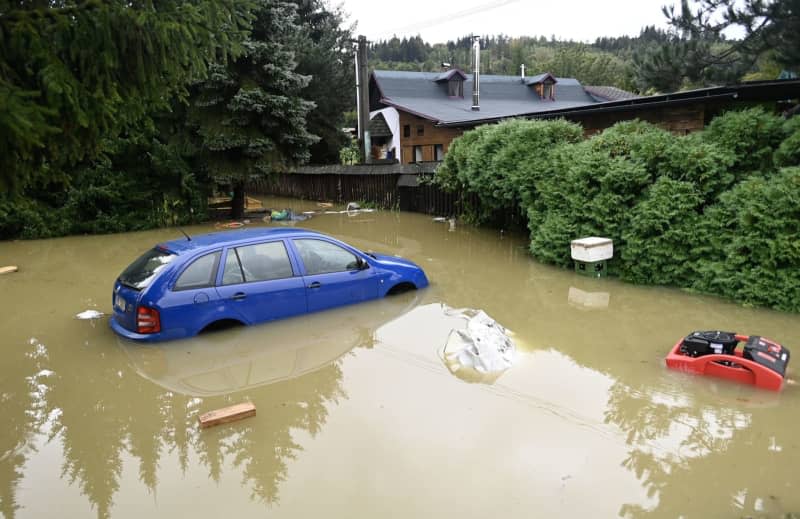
259	282
190	302
333	274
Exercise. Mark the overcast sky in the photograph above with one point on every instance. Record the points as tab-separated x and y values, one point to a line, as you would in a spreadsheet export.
442	20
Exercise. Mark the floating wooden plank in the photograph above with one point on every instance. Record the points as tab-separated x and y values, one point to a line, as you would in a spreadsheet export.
227	414
8	270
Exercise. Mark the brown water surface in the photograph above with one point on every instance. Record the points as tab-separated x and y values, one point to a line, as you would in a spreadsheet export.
358	416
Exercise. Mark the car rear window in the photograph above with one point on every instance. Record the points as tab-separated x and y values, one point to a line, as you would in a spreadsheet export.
141	272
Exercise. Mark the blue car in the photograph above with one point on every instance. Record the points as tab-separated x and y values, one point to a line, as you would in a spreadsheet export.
183	287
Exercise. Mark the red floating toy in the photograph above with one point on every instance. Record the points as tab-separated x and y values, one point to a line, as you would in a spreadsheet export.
761	362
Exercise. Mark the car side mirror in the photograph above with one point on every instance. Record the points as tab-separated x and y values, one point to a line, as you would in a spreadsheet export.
362	264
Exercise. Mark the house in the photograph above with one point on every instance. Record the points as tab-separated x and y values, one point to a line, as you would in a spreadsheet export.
416	115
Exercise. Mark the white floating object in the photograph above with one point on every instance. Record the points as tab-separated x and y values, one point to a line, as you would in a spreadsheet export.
90	314
592	249
483	346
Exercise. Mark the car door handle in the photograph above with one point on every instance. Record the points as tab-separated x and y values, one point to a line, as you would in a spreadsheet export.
238	296
315	284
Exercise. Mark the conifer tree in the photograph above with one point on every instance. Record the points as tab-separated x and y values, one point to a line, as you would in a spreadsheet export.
250	116
327	56
74	73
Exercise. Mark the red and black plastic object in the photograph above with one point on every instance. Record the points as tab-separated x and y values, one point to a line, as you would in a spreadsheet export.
761	362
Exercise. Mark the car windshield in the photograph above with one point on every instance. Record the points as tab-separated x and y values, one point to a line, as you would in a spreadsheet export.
142	271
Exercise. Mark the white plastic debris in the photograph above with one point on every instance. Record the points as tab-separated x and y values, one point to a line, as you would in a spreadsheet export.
90	314
484	345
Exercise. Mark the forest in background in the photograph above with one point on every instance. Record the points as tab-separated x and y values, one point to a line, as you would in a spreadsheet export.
693	52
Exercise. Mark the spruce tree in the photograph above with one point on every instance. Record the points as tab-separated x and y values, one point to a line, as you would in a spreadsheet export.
251	119
74	74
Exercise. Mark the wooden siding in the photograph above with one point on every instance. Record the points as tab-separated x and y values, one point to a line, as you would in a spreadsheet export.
431	135
677	119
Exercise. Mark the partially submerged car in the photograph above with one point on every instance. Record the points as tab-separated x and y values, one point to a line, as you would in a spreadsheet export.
182	287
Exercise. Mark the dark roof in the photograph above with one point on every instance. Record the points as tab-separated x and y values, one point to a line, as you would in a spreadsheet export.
609	93
539	78
378	127
447	75
500	96
769	90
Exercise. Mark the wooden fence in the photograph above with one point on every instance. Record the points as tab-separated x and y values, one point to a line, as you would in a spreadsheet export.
402	187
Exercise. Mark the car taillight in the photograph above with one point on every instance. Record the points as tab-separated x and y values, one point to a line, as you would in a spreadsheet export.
148	320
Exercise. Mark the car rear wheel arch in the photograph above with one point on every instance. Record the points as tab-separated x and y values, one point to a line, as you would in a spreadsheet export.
221	324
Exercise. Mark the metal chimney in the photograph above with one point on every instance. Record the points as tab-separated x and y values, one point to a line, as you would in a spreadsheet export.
476	75
522	72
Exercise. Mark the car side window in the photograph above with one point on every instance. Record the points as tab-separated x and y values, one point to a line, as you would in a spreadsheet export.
321	257
232	275
200	274
264	261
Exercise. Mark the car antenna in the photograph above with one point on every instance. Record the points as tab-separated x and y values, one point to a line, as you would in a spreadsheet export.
188	238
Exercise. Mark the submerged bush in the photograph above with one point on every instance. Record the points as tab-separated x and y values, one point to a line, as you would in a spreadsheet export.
500	163
754	253
710	211
661	237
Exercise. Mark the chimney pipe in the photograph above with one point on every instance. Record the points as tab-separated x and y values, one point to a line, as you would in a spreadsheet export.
476	75
522	72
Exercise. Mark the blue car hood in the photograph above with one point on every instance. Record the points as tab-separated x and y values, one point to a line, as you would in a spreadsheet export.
390	261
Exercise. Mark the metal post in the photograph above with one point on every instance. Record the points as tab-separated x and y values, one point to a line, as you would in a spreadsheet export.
476	75
363	88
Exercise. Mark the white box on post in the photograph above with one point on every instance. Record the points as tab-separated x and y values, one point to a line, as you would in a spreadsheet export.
592	249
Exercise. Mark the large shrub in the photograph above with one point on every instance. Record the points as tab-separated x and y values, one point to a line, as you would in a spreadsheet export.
660	240
500	163
709	211
754	250
751	135
588	192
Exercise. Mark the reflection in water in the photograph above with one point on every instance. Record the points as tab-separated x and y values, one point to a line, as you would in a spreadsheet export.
589	300
234	360
357	402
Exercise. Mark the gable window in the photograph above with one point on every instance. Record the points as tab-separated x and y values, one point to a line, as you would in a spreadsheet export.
455	88
406	130
548	90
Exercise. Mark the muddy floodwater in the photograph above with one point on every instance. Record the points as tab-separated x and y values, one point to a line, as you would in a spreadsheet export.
358	414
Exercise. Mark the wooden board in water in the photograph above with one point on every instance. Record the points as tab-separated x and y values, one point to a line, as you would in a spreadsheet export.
227	414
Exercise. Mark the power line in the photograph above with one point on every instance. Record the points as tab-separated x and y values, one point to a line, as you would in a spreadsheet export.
433	22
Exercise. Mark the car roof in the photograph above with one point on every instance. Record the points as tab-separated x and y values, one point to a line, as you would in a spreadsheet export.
224	238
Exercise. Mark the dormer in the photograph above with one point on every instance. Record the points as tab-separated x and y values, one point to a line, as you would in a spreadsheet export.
454	79
544	85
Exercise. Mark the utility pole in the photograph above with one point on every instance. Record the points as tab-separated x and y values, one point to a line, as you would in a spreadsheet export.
362	84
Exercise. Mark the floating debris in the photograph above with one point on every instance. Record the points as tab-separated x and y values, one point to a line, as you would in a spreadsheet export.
227	414
484	346
9	269
89	314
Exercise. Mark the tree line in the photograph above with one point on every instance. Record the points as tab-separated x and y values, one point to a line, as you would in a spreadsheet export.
117	115
692	52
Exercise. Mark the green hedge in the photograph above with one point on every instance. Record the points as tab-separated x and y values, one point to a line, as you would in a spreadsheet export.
716	211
